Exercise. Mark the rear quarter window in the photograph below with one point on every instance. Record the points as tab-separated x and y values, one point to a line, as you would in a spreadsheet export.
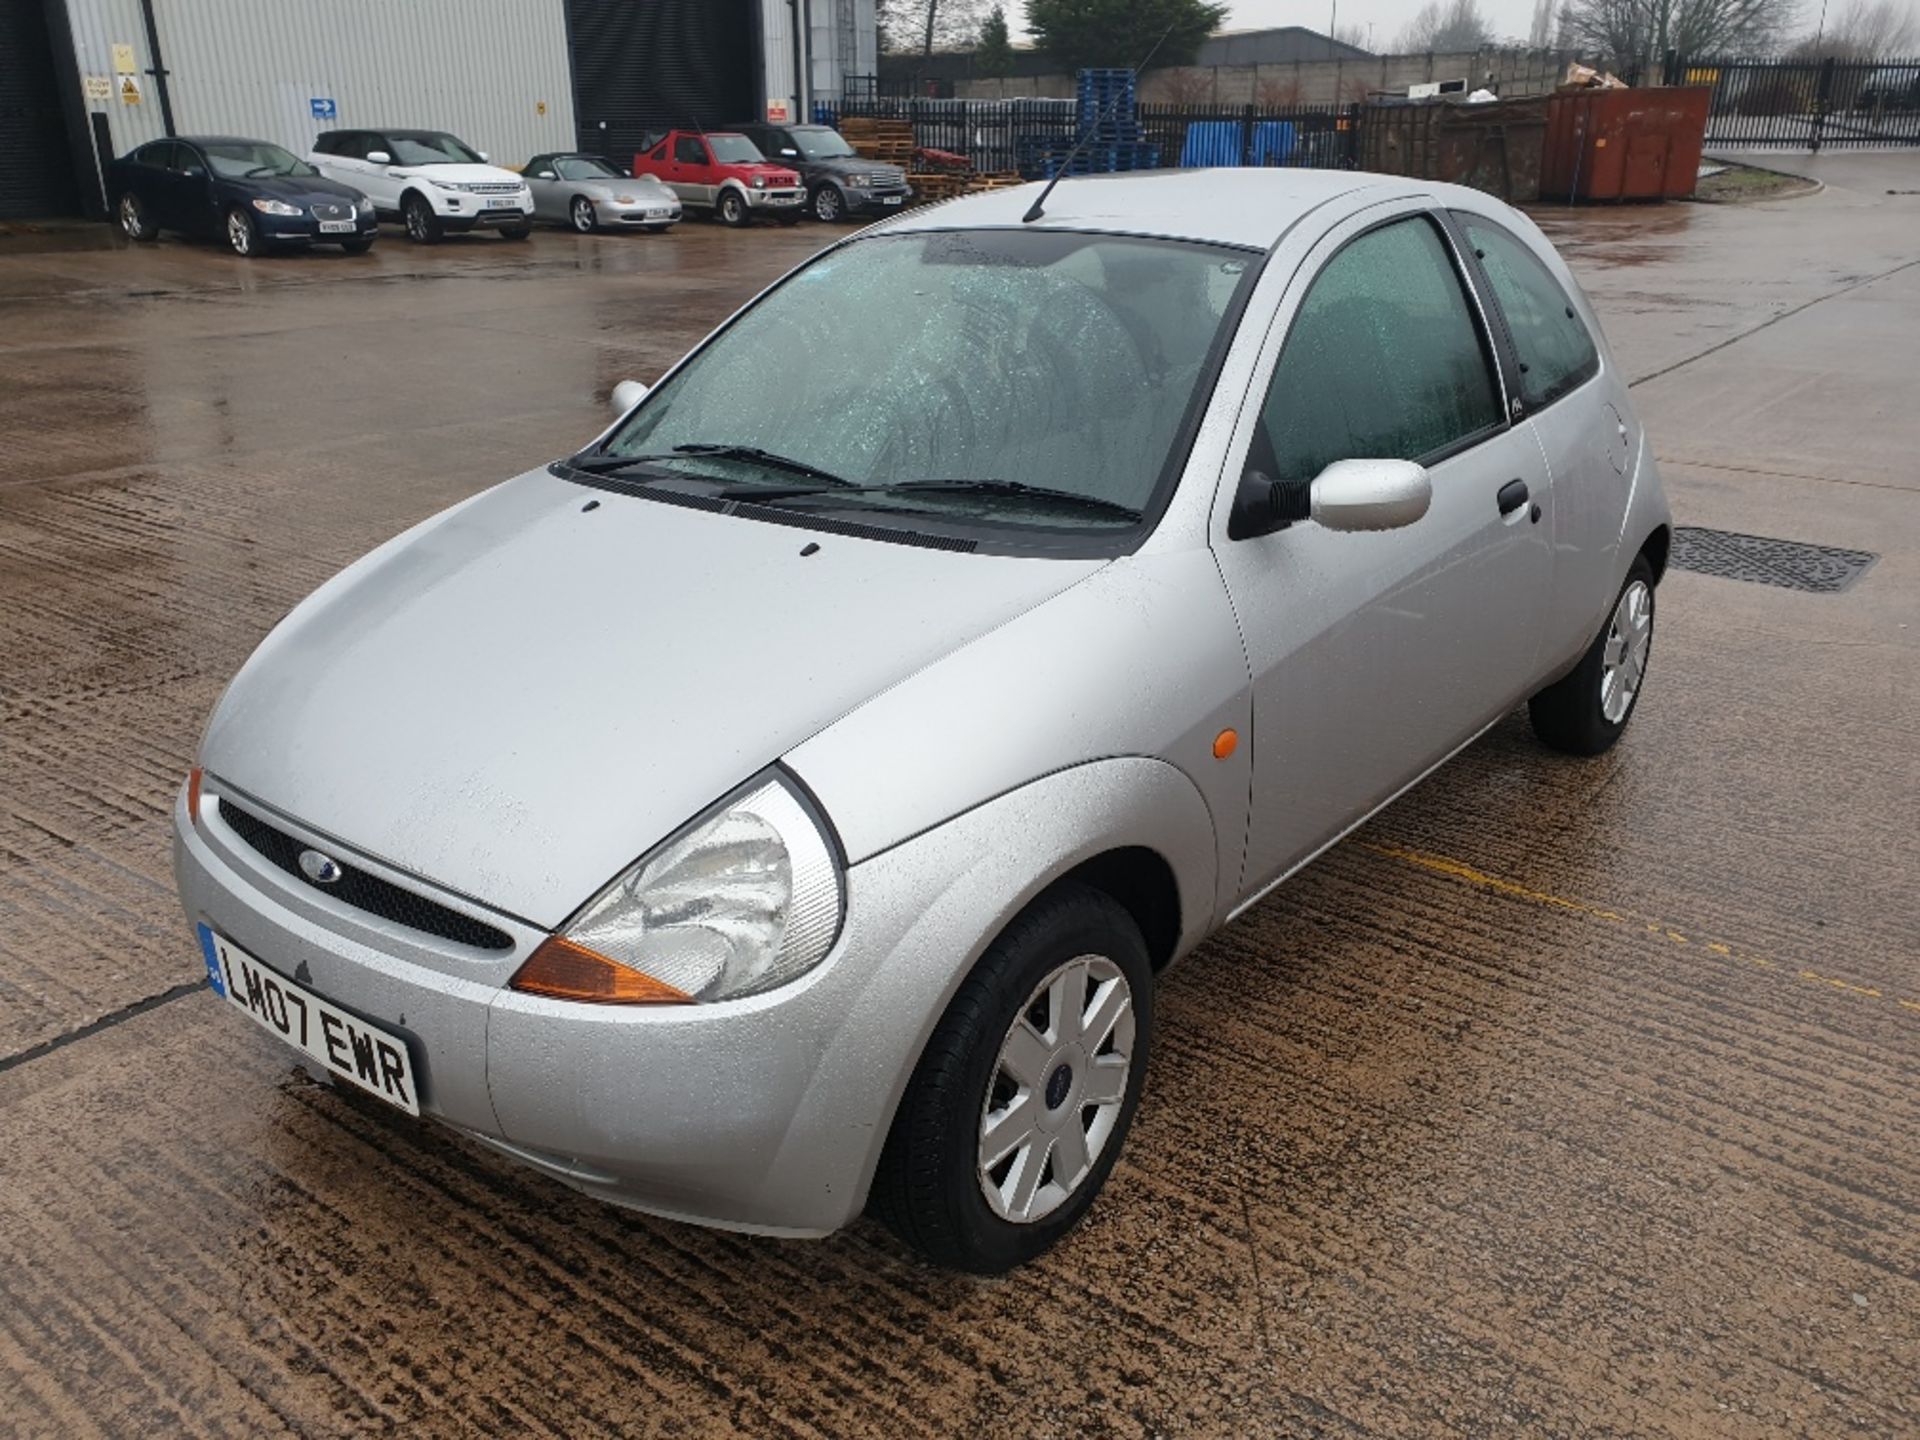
1555	352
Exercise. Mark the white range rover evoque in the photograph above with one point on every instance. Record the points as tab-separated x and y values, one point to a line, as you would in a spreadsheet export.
432	182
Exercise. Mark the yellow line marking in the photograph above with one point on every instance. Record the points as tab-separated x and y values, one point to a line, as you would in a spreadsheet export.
1459	870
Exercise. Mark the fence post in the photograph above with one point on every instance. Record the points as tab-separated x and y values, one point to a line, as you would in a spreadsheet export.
1246	135
1822	96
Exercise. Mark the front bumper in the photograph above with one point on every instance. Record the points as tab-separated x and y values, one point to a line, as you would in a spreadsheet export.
464	211
761	1114
639	213
864	202
777	199
305	229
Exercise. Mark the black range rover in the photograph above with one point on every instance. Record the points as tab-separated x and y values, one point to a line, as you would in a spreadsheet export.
839	182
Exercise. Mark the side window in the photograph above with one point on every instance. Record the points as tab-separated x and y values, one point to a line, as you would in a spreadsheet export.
154	154
1384	360
659	152
327	144
1555	351
690	150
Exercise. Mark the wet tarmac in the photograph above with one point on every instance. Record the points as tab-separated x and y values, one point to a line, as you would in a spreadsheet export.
1564	1099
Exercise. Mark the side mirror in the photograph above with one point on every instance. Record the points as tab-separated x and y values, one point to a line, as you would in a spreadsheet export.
543	175
626	395
379	157
788	150
481	153
1347	495
1370	494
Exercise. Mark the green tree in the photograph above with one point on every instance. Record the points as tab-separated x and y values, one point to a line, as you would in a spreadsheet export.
1112	33
993	54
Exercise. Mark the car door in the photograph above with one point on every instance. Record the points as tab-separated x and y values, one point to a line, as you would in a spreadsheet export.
367	175
1577	408
692	177
196	197
1375	655
543	181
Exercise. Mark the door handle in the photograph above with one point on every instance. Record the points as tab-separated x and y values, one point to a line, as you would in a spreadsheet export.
1512	496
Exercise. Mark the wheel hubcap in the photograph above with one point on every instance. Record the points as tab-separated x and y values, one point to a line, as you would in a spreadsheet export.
130	216
582	215
1624	657
238	233
416	222
1056	1089
828	205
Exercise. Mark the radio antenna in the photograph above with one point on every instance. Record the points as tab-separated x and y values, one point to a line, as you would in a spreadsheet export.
1038	208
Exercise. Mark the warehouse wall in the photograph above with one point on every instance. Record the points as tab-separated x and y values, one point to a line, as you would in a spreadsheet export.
494	72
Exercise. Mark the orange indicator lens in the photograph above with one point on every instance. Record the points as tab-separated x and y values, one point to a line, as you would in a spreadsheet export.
562	970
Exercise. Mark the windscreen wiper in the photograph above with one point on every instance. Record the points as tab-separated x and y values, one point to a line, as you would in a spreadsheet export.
607	464
1015	489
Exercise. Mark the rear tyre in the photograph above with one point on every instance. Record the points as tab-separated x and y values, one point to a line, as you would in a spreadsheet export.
243	238
1585	711
423	226
134	221
733	209
582	216
1021	1101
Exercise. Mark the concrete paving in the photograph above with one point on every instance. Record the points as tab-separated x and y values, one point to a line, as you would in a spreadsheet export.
1563	1099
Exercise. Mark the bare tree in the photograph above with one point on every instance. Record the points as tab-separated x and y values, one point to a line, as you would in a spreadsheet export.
1540	36
1635	33
1457	25
1354	35
1862	30
923	26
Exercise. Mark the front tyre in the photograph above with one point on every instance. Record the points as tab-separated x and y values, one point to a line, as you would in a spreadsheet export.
423	226
243	238
582	216
517	232
1585	711
1018	1108
733	209
829	206
356	247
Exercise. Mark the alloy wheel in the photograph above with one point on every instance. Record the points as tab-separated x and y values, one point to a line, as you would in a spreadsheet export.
1057	1089
417	221
130	220
1624	659
239	233
583	219
826	204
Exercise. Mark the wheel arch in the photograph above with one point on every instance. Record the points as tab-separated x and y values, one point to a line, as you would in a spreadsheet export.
1657	547
1140	881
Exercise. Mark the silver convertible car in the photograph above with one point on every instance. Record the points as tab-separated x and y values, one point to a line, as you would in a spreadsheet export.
786	805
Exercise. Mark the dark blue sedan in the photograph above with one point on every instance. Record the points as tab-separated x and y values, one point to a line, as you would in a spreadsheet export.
250	193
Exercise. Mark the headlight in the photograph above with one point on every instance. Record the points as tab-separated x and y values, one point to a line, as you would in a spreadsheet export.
276	207
759	182
744	899
446	184
364	205
859	182
623	200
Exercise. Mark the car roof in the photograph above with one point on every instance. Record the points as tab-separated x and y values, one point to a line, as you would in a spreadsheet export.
1250	207
221	140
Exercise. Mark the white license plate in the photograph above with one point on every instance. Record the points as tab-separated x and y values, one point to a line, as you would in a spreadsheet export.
347	1046
503	204
658	214
891	199
336	227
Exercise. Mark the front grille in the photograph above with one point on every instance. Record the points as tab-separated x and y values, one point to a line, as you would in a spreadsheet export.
326	210
1822	569
363	891
491	188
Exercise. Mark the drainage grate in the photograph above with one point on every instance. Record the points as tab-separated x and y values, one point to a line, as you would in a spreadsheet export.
1787	563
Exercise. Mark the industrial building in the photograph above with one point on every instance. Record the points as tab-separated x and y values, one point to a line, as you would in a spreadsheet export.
83	80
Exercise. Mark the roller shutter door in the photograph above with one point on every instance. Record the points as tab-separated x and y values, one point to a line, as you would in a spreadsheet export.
36	166
644	66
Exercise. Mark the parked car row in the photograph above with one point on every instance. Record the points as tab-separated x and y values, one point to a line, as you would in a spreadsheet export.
259	196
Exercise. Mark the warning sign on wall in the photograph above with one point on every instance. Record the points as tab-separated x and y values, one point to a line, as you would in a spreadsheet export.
123	60
99	87
129	90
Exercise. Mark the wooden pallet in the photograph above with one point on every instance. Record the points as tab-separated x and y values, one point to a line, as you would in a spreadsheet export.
889	141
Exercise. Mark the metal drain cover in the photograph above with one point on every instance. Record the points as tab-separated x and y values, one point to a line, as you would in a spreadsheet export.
1788	563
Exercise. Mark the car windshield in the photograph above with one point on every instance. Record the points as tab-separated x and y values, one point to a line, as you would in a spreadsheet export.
252	159
424	148
822	144
1023	358
734	150
586	169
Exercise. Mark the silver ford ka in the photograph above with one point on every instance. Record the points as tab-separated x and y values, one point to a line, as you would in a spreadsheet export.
786	805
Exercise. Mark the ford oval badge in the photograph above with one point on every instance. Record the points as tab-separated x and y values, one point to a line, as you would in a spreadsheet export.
321	869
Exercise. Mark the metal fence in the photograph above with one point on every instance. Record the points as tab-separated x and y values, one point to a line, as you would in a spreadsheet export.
1806	104
1032	136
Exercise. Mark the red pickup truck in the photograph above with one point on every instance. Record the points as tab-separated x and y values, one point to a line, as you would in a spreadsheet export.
725	173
